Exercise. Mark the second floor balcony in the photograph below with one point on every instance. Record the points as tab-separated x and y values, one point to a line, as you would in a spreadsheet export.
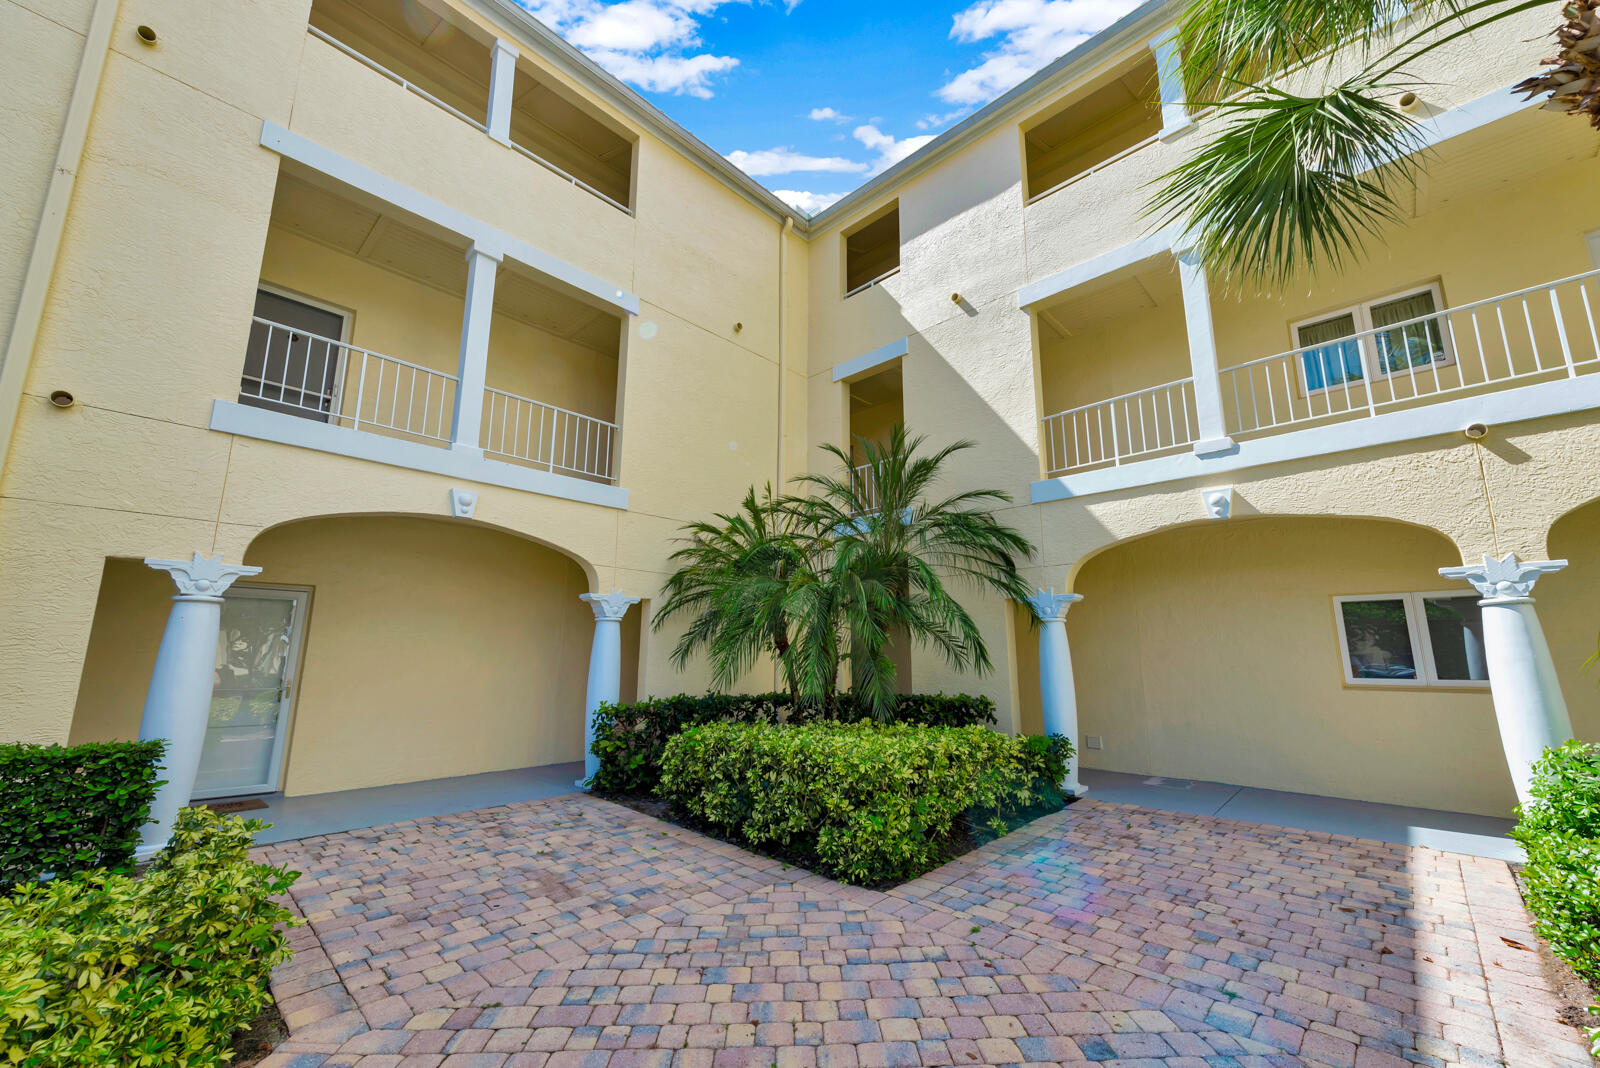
379	335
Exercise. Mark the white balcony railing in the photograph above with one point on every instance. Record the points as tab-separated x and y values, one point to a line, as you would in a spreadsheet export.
1536	334
541	435
1111	432
866	487
303	374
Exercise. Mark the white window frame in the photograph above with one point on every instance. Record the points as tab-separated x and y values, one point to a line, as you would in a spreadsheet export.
1361	315
1421	644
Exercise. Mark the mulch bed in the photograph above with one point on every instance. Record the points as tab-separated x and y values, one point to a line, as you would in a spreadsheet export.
966	834
252	1044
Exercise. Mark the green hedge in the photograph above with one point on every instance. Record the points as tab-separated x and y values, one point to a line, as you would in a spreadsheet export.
65	809
1560	831
630	739
860	802
107	969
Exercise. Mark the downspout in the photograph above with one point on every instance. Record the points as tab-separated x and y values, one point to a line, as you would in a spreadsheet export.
783	329
18	355
783	375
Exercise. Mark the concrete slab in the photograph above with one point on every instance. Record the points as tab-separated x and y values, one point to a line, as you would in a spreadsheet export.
347	810
1455	832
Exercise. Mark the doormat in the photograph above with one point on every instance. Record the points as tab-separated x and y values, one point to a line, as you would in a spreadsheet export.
249	804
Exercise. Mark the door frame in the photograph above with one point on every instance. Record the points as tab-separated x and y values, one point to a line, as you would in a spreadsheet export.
300	597
347	322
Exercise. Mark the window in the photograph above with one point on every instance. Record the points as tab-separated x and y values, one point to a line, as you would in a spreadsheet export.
872	250
1412	639
1345	346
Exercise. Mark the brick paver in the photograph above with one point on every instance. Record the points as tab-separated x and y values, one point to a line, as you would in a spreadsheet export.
574	932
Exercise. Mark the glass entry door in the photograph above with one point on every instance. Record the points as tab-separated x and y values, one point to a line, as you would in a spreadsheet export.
257	653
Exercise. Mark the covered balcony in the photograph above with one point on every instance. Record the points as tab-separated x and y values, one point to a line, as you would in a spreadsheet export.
454	64
366	317
1482	307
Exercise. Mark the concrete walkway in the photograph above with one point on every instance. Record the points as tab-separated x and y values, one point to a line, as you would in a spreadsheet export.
1452	832
574	933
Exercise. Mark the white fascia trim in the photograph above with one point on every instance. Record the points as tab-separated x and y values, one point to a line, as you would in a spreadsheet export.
483	236
1446	417
869	361
232	418
1165	240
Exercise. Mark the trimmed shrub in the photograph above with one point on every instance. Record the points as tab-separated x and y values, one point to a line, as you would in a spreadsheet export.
630	739
107	969
1560	831
65	809
860	802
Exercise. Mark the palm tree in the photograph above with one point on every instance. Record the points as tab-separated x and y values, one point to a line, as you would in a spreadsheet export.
824	579
1300	172
734	577
889	550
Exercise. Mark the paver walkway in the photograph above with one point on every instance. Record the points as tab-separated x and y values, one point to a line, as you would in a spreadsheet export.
574	932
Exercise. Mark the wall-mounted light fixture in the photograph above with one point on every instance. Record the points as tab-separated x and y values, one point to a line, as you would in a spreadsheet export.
147	34
61	398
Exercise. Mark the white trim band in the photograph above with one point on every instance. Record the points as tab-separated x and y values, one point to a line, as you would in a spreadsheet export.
232	418
869	361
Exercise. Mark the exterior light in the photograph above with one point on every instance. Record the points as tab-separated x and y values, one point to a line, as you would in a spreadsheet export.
146	34
61	399
1476	431
1410	101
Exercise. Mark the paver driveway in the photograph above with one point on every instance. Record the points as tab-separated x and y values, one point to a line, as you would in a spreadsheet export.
576	932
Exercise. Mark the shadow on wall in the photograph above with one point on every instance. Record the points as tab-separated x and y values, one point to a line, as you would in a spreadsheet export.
433	648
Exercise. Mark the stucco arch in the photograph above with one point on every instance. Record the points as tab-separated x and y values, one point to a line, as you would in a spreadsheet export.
590	571
1446	559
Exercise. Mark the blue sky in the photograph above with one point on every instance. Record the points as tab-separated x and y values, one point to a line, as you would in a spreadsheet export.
813	97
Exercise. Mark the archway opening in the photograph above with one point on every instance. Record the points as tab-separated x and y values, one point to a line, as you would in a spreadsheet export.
1228	652
387	649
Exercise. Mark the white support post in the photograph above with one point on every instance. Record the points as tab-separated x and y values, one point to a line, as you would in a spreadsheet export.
1213	432
502	89
1058	697
466	427
605	666
177	706
1175	120
1522	675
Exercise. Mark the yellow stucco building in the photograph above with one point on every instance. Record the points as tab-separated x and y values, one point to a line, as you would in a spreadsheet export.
422	326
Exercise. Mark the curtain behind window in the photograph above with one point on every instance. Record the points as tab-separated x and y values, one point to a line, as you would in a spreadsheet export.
1416	345
1330	364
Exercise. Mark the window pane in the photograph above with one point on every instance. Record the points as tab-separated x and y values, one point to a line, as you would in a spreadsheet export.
1330	364
1455	634
1413	345
1378	640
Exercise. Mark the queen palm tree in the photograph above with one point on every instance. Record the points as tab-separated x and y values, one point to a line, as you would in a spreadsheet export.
823	578
1303	168
734	577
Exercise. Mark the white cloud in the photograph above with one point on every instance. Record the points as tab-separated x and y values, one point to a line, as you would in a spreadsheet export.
936	122
1031	32
783	161
810	203
890	151
827	115
654	44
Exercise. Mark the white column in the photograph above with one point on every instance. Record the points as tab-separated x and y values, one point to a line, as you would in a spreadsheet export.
502	86
605	666
178	704
467	425
1522	676
1175	119
1058	697
1213	433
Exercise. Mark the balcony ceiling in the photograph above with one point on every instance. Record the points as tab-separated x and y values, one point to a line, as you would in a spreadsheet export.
1135	290
1513	151
343	221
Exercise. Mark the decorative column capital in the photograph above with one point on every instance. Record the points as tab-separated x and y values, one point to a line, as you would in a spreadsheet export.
1048	605
609	607
1505	580
201	579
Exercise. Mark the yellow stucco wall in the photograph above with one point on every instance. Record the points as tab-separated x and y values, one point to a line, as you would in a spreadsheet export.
1210	652
171	230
